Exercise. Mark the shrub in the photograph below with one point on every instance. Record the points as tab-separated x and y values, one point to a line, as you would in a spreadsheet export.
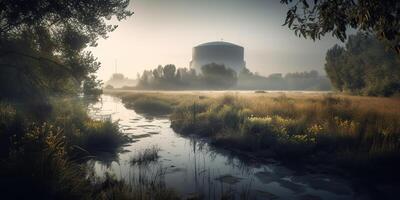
38	167
151	106
100	136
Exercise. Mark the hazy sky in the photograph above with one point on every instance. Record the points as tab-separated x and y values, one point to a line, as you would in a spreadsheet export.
165	31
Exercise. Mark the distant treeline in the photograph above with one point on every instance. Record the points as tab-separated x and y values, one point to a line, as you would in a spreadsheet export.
214	76
307	80
364	66
118	80
169	77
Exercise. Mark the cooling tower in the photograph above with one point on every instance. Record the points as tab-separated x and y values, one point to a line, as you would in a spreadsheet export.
228	54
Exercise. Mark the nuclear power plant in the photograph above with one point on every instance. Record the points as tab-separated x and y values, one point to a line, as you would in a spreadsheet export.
223	53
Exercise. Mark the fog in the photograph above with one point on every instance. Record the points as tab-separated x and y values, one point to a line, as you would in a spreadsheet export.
164	32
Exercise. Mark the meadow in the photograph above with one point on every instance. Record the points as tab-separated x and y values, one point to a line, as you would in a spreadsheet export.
356	136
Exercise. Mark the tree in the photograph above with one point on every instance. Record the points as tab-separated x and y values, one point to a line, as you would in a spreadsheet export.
92	87
364	66
117	76
42	44
315	18
218	76
169	72
334	63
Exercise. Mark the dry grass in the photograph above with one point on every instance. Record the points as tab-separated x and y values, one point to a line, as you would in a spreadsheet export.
356	132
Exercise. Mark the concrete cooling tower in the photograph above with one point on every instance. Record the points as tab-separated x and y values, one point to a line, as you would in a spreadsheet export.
228	54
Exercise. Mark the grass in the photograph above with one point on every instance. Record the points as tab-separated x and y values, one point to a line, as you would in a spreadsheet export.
83	134
42	158
149	104
112	188
145	156
101	136
360	134
38	166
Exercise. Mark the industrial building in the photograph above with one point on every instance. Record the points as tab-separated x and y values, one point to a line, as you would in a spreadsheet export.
228	54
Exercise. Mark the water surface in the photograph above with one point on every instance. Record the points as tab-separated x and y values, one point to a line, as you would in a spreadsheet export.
192	168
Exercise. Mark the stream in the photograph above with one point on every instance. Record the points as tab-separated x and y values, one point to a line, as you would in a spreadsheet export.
192	168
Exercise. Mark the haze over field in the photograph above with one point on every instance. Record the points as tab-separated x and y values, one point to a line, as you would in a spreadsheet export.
164	32
262	114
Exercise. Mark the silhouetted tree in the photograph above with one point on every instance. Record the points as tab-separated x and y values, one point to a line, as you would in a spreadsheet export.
291	81
218	76
334	62
42	44
315	18
169	72
364	66
92	87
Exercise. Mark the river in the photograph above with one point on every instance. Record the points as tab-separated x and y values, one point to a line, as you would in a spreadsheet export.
191	167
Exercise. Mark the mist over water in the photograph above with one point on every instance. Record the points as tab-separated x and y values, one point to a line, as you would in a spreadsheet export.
193	168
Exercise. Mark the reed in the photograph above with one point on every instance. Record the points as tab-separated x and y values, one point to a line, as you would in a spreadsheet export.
335	129
145	156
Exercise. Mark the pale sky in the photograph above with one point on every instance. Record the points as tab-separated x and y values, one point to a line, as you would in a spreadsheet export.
165	31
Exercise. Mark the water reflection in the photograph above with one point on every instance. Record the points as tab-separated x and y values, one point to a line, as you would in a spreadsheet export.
194	169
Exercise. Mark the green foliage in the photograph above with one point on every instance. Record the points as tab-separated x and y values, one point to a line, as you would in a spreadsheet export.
38	167
315	18
92	87
42	159
151	106
42	45
364	66
84	133
100	136
351	132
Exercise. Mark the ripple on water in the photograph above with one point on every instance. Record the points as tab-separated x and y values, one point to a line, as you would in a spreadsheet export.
188	160
229	179
145	135
172	170
323	182
266	195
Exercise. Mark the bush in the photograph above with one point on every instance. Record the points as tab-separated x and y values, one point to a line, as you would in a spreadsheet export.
151	106
101	136
38	167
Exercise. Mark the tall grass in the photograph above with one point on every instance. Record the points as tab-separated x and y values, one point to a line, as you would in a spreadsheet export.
145	156
101	136
353	132
38	167
150	106
38	157
83	134
142	189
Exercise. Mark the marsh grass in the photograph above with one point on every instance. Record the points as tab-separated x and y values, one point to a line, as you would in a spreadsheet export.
39	158
151	106
86	136
145	156
39	167
148	186
349	131
101	136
